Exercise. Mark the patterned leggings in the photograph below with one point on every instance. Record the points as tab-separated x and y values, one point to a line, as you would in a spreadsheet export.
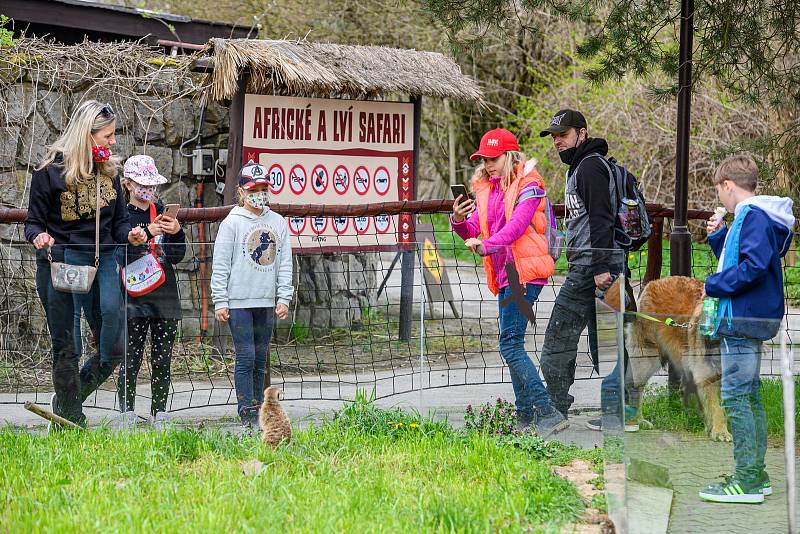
162	335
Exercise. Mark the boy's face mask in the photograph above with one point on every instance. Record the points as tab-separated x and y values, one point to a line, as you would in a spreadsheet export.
258	199
145	193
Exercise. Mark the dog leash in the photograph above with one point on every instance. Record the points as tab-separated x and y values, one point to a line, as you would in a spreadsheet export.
669	321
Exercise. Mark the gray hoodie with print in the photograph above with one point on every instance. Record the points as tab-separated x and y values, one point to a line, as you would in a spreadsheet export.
252	261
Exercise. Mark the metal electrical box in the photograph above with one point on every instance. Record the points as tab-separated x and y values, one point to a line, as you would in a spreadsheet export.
203	162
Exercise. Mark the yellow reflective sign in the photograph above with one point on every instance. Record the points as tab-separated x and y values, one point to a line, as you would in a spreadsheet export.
431	260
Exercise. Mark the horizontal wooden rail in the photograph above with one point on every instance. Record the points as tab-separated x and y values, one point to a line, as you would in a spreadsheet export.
196	215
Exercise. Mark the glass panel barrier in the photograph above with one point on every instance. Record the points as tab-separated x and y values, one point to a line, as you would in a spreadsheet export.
694	455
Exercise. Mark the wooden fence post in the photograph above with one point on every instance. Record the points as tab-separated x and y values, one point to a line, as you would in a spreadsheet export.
655	251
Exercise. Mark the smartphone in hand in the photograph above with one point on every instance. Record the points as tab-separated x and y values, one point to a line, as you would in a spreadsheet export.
171	210
460	189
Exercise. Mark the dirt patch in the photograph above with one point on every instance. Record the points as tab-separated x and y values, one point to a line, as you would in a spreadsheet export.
590	488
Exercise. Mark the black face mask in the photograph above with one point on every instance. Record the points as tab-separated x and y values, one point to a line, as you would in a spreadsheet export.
568	154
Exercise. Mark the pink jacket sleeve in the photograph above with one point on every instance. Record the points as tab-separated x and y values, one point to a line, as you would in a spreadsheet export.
521	218
469	227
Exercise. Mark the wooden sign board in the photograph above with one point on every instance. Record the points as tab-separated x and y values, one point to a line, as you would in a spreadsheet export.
335	152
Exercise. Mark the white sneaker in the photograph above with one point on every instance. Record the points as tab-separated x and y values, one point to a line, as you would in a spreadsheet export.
125	422
161	421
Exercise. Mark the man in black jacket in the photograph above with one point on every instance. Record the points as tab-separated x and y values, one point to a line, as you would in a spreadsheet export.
593	256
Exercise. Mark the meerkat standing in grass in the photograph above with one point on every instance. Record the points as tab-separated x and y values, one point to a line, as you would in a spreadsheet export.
275	424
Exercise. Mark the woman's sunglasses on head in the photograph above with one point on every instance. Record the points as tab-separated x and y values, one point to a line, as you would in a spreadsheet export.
107	111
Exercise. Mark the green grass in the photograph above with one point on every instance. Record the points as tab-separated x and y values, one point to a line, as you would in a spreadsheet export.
367	470
666	411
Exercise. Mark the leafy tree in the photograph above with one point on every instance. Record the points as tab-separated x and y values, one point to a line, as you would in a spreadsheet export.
749	48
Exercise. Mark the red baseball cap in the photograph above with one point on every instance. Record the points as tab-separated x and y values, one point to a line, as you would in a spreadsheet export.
495	142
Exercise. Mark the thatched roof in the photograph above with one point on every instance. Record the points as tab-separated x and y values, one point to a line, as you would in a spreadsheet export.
329	70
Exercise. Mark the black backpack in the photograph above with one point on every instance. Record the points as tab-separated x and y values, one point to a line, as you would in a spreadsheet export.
632	224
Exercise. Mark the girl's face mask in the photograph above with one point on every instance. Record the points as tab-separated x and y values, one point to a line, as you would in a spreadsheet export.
145	193
258	199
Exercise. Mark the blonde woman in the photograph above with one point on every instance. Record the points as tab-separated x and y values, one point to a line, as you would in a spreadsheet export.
61	218
508	214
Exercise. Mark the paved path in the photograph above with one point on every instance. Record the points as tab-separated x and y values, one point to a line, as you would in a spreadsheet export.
692	462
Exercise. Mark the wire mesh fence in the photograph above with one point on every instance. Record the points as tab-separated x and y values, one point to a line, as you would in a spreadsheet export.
389	318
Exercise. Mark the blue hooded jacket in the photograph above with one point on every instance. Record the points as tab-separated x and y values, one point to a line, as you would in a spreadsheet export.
754	283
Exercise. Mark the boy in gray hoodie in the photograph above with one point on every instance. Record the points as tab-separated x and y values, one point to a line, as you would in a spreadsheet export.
251	283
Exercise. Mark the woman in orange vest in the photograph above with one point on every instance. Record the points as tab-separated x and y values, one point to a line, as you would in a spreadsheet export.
511	221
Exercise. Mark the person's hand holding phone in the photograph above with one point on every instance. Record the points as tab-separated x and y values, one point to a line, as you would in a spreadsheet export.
155	227
462	207
169	225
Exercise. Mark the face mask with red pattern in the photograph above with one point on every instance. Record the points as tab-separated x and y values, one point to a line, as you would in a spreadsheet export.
100	153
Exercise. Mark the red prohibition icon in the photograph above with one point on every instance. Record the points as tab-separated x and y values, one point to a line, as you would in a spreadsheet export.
340	224
381	179
361	224
361	180
319	179
298	179
297	225
276	179
319	224
341	180
382	223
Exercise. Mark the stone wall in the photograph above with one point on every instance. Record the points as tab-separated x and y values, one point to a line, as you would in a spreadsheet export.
333	289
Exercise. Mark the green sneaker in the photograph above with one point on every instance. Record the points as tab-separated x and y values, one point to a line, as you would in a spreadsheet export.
765	484
733	490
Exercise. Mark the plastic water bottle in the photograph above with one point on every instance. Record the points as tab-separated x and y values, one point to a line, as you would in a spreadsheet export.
709	318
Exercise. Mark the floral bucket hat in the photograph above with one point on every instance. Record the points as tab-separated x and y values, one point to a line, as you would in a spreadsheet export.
142	170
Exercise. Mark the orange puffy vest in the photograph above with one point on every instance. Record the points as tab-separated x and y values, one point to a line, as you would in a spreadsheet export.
531	258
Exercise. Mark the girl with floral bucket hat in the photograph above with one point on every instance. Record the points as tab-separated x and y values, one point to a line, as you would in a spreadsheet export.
159	309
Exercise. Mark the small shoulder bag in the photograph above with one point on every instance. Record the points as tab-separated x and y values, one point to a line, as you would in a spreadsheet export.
142	276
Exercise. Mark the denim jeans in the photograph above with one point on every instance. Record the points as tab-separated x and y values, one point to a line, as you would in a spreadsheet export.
72	386
529	390
112	310
741	400
610	390
93	318
251	329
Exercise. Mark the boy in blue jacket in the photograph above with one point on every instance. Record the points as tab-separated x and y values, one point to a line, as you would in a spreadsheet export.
749	286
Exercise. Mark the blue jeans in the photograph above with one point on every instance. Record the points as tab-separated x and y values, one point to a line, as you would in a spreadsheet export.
610	390
741	400
107	281
71	384
529	390
93	318
251	329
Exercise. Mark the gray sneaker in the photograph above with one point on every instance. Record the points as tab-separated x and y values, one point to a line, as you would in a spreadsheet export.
161	421
549	421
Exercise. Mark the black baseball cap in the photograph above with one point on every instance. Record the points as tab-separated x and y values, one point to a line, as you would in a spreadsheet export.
563	120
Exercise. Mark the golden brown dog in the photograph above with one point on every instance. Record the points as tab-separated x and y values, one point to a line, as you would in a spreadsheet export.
651	343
